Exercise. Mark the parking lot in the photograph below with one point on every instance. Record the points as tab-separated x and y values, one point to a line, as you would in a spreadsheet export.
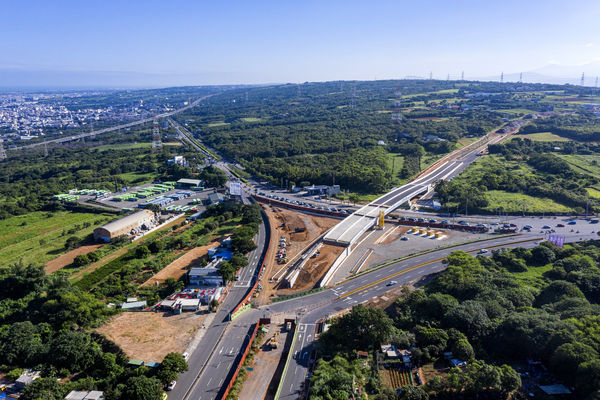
168	198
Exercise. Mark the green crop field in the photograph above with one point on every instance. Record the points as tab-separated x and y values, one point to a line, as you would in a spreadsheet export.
543	137
37	237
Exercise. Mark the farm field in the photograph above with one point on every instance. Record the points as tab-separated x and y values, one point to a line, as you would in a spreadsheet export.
39	237
543	137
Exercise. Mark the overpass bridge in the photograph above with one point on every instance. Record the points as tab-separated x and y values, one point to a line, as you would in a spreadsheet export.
350	229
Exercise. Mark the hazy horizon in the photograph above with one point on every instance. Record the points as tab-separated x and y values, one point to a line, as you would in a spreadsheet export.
155	44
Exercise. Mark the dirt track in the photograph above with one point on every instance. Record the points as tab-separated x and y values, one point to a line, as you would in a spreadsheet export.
67	258
180	266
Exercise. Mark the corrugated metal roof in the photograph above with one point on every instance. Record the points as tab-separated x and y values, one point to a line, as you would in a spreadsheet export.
128	220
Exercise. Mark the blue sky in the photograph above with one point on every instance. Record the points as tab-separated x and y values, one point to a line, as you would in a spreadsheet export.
212	42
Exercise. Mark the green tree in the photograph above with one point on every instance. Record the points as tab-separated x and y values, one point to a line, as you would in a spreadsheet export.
44	389
227	271
142	388
142	252
567	358
172	364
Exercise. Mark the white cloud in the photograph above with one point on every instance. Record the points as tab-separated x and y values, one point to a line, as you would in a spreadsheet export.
590	44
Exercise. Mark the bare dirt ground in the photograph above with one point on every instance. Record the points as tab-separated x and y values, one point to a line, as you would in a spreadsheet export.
315	268
312	227
150	336
67	258
180	266
264	366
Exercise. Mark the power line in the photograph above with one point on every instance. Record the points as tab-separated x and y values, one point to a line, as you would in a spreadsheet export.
156	140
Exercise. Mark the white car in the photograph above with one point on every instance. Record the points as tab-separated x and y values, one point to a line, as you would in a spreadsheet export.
172	385
482	251
185	356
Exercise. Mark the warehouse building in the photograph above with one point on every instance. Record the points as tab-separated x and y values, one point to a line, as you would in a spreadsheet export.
130	225
189	183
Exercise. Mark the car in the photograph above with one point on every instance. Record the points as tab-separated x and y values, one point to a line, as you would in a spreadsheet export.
446	222
464	223
391	283
594	221
404	238
172	385
421	220
412	219
527	227
546	227
572	223
482	251
164	396
481	225
560	225
432	221
494	224
186	355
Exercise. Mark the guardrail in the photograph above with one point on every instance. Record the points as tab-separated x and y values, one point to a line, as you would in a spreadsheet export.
334	214
287	362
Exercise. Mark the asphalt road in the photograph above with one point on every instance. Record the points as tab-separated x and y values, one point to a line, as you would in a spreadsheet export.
193	384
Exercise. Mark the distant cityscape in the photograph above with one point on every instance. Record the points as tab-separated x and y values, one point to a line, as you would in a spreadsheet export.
27	116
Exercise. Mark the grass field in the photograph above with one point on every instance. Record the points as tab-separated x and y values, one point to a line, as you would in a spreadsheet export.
593	193
132	178
123	146
462	142
395	162
585	164
543	137
513	202
533	277
38	237
217	124
251	119
516	111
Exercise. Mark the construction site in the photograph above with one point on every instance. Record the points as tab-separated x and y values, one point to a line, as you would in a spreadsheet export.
289	267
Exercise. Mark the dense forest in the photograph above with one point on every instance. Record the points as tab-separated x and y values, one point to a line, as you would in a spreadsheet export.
485	313
314	132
